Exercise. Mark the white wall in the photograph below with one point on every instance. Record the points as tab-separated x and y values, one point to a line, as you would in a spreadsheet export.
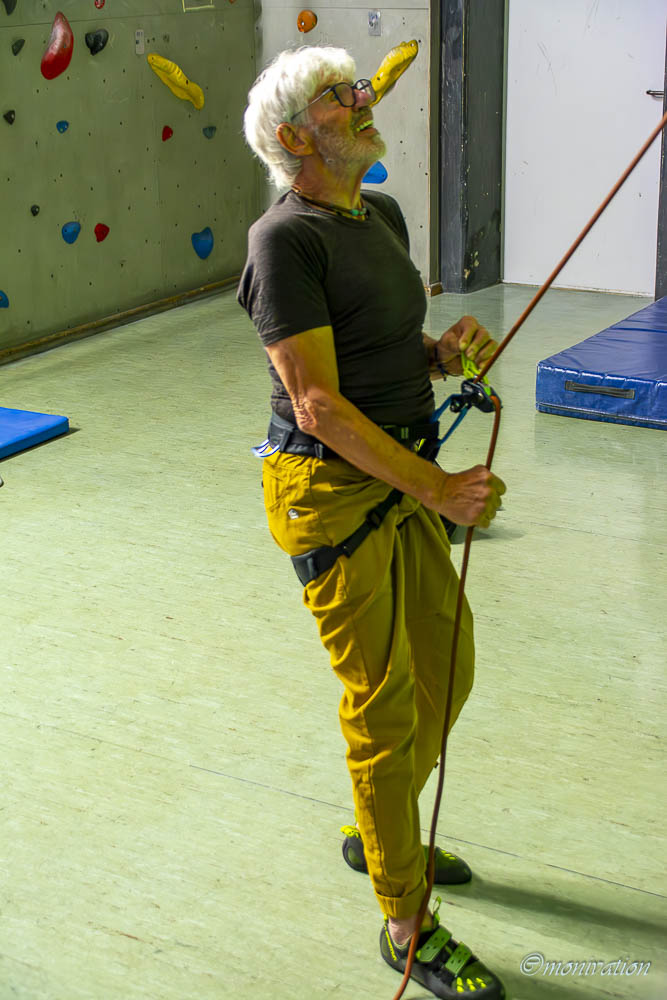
577	112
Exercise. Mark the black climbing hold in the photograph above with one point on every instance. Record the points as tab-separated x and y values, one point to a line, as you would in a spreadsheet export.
96	40
209	131
34	209
18	45
10	117
10	6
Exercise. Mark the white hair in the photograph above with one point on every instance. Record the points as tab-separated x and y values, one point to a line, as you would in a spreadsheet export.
288	84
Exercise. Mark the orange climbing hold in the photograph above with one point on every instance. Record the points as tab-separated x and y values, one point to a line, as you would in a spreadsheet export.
306	21
58	54
392	67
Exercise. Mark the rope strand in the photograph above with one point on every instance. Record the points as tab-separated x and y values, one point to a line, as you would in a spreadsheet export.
469	534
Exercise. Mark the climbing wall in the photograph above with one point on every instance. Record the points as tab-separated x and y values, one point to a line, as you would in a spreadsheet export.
114	191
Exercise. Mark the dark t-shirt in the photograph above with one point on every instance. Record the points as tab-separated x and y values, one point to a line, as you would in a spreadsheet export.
307	268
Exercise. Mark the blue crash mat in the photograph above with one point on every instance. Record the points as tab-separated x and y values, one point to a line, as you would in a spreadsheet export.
21	429
618	375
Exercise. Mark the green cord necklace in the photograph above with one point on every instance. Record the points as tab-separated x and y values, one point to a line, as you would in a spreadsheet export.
355	213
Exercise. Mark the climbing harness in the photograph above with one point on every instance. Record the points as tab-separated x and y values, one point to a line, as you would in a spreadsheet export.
312	564
286	437
423	438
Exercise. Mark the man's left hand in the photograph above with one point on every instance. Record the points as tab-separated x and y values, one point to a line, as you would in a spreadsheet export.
467	337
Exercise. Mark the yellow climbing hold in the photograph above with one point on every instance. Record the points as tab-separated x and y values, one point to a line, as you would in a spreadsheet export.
392	67
176	80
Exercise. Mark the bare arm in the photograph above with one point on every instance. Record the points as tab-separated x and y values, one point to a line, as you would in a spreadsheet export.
306	364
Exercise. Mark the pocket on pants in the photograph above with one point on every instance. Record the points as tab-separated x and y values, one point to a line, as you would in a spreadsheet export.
293	520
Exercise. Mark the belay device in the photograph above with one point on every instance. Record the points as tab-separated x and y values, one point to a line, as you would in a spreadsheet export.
472	393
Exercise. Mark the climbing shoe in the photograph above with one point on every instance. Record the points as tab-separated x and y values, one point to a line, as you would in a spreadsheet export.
449	870
445	967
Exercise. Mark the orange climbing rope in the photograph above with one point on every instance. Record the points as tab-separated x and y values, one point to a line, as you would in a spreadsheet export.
469	534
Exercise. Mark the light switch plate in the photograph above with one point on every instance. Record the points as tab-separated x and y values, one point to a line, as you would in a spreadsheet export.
375	22
139	44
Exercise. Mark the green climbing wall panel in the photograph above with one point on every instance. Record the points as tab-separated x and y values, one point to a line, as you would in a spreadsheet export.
110	166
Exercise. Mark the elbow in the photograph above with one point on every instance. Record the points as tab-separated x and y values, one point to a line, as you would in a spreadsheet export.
312	410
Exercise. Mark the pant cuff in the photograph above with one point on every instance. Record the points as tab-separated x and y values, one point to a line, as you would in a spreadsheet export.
404	906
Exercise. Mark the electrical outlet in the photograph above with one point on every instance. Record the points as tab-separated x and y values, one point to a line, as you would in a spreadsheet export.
139	44
374	22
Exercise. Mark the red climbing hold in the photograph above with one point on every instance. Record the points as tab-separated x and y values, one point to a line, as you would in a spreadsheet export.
99	4
58	55
167	133
101	232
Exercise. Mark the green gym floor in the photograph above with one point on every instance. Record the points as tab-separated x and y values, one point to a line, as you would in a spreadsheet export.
174	774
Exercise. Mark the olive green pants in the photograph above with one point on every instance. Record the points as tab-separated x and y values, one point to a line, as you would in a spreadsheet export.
386	617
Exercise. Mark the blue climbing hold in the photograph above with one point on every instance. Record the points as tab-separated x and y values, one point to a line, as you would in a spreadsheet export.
209	131
71	231
62	126
203	242
4	301
376	175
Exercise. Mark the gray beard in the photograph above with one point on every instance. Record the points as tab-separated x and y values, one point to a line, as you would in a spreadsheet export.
342	152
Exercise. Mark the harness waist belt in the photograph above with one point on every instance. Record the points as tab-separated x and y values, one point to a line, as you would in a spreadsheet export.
287	437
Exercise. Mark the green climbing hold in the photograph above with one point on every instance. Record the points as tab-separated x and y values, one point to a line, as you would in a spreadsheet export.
18	45
209	131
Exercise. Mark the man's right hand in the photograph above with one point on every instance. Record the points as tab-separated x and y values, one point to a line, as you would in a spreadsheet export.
471	497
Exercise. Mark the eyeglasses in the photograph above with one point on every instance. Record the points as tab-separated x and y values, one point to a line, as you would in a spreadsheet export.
344	94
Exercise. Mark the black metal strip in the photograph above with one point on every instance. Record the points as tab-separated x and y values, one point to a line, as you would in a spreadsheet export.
471	143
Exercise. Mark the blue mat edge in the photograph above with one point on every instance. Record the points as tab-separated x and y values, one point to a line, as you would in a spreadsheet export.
605	418
38	437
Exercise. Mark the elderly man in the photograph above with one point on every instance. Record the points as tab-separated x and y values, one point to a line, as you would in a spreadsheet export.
339	307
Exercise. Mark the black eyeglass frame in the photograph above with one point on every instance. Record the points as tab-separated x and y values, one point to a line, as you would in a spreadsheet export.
359	85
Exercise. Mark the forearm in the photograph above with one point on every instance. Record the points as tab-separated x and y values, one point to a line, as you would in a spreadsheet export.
340	425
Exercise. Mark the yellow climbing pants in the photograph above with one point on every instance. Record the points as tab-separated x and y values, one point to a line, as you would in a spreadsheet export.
385	615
